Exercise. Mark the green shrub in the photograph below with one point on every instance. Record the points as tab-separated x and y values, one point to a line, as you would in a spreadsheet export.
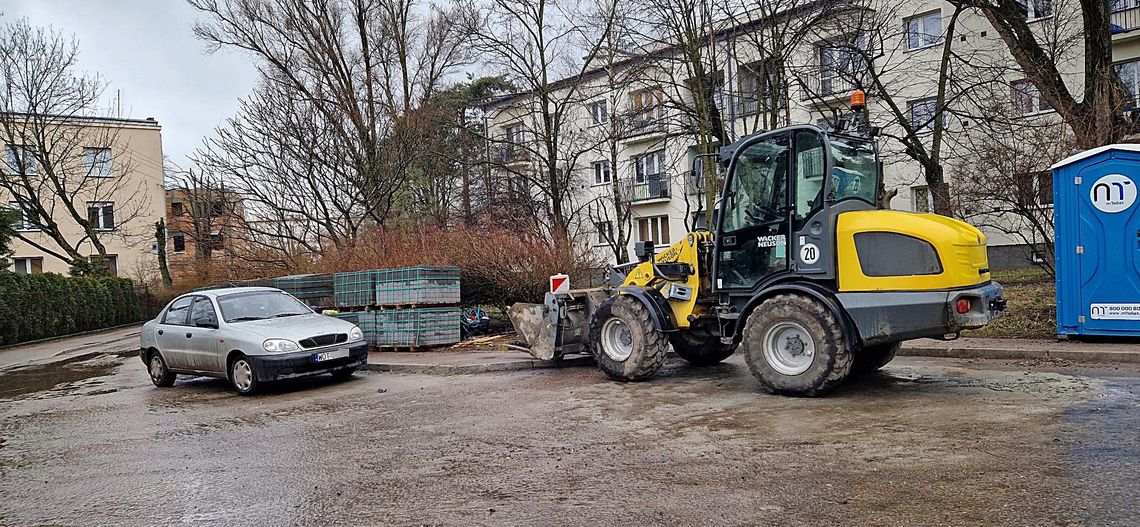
48	305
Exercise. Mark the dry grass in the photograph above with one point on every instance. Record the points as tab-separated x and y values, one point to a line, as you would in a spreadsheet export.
1032	308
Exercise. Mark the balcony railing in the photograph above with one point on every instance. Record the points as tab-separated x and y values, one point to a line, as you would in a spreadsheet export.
508	154
1125	16
641	124
653	186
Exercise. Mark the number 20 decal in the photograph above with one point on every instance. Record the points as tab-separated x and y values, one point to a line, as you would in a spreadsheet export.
809	253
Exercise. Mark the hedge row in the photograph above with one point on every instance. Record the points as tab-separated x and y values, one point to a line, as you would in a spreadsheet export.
48	305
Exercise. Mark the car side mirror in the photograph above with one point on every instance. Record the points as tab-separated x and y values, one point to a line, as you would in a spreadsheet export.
206	323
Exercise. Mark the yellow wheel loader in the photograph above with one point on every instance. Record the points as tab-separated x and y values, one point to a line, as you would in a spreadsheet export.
803	273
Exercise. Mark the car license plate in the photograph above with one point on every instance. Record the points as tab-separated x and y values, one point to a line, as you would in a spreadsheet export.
330	355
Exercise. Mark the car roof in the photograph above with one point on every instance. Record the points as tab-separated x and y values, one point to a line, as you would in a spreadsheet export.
226	291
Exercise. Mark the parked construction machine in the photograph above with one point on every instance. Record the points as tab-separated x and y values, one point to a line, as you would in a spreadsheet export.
801	270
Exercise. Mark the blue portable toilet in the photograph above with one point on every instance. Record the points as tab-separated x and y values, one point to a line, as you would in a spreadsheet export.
1096	225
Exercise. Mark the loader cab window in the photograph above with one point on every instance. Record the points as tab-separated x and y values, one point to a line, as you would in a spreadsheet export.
754	215
810	165
854	173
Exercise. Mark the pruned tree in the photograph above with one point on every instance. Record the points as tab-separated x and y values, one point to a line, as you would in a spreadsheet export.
66	169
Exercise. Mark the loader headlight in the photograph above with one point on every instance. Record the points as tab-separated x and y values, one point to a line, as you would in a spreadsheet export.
280	346
355	334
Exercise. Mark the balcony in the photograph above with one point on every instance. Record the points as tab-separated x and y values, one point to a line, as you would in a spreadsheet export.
641	127
1125	17
510	155
653	187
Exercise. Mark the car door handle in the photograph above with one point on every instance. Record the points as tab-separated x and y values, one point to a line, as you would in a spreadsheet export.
188	335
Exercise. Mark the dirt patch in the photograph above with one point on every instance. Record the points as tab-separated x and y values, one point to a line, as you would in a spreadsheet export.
1032	309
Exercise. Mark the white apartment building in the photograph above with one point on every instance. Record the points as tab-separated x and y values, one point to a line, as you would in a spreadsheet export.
655	151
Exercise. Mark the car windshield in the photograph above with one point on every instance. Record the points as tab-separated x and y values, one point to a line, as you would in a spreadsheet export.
854	173
258	305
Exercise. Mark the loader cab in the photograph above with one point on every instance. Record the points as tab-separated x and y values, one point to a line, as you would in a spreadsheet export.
782	193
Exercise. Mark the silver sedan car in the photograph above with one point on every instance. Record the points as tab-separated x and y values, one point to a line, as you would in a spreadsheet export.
248	335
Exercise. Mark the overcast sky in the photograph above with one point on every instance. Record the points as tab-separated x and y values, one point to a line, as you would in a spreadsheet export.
146	50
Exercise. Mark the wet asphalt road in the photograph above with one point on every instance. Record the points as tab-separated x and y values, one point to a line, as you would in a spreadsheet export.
928	441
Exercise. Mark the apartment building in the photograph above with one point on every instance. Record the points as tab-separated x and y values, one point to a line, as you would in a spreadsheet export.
655	146
107	171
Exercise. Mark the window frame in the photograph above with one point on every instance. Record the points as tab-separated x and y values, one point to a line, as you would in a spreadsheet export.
841	44
924	40
101	206
602	168
654	230
927	199
189	306
31	163
1035	98
604	105
934	114
29	267
89	162
1031	14
641	173
26	224
605	232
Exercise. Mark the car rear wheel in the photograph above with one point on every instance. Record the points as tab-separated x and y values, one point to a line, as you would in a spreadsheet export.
160	375
242	376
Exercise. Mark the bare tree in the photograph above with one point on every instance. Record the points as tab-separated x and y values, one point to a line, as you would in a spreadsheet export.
65	162
1092	106
328	141
544	49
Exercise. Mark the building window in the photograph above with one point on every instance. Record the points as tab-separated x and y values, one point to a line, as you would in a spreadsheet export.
31	265
923	30
1129	75
179	243
655	229
113	264
647	106
217	241
26	221
1027	99
21	160
605	231
648	165
922	114
760	87
101	215
1035	188
840	62
600	112
920	199
1035	9
601	172
516	134
97	161
177	210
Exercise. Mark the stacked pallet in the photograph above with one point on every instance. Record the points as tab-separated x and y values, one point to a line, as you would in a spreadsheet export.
402	308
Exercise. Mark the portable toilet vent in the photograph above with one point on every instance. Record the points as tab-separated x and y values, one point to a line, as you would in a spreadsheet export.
1096	224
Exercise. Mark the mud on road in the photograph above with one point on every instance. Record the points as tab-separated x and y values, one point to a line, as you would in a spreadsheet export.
927	441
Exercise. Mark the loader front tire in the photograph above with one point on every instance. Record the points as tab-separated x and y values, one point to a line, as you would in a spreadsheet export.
626	346
700	350
872	358
794	345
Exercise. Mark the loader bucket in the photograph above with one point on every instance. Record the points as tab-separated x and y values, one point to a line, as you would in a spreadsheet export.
559	326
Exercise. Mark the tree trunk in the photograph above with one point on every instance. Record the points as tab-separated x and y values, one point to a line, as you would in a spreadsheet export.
160	242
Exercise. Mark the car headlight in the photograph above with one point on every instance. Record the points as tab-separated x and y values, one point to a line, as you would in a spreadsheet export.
355	334
280	346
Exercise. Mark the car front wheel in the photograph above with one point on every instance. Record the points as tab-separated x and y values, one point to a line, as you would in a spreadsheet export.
242	376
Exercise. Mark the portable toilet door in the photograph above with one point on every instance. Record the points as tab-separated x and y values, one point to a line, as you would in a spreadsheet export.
1097	235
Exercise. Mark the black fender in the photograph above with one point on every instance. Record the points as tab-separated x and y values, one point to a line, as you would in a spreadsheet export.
850	332
659	310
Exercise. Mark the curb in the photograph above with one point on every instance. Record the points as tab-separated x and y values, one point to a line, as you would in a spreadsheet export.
469	369
1020	354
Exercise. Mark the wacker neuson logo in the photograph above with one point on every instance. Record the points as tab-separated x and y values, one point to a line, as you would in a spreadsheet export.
1113	193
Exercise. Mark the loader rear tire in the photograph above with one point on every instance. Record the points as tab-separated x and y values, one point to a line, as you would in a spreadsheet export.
794	345
626	346
700	351
872	358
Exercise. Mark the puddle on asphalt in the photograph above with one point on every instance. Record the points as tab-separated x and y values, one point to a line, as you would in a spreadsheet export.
24	380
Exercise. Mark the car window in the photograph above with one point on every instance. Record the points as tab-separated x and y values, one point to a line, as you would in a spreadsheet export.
203	311
178	311
257	305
